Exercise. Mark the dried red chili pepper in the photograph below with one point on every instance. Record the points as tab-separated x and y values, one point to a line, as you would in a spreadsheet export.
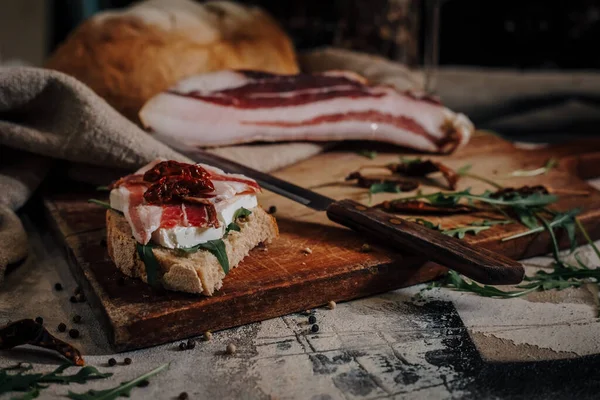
421	207
27	331
367	181
419	168
521	191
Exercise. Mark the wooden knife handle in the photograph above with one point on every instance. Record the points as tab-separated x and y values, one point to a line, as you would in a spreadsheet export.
477	263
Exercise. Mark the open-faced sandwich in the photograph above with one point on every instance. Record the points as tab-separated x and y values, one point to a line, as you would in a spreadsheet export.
184	226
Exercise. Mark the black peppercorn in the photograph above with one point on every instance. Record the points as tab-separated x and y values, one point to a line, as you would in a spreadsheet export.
314	328
191	344
62	327
39	320
272	210
127	361
312	319
73	299
112	362
143	383
182	346
58	286
74	333
183	396
77	318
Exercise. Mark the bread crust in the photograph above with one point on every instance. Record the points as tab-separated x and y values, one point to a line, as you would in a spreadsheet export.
198	272
128	57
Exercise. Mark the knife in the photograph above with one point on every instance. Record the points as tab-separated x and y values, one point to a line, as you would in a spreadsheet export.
477	263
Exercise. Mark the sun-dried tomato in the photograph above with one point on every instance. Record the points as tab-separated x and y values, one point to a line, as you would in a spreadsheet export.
173	182
169	168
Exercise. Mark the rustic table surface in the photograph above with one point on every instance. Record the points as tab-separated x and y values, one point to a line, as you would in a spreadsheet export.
386	346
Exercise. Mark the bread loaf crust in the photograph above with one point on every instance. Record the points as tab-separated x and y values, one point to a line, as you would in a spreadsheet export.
127	57
198	272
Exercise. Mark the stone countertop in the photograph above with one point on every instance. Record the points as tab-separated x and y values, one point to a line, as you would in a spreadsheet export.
446	345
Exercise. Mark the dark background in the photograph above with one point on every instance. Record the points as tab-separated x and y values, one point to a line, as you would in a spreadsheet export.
528	34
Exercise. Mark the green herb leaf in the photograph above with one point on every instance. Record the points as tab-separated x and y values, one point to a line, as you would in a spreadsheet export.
123	389
150	262
487	222
241	213
102	188
32	383
217	249
461	231
367	153
428	224
464	169
387	187
232	227
408	161
103	204
551	163
457	282
565	220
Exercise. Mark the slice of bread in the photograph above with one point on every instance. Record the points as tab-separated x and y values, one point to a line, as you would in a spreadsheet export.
198	272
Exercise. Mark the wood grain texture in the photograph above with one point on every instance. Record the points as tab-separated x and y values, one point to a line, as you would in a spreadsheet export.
475	262
283	279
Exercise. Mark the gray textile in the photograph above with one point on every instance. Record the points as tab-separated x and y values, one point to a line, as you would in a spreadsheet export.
46	115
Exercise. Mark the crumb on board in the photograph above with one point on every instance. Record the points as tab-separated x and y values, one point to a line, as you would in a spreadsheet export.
208	335
230	348
307	250
331	305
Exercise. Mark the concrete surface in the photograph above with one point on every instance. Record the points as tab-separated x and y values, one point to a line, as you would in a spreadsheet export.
449	345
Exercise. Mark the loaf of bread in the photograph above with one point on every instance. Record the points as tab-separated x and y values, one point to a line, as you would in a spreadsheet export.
127	56
198	272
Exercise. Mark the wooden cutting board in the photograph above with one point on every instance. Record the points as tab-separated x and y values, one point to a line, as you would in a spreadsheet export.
283	279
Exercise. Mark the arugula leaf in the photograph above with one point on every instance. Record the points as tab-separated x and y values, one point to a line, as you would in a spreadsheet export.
103	204
367	153
488	222
464	169
232	227
150	262
461	231
587	237
241	213
551	163
408	161
428	224
217	249
124	389
32	383
387	187
565	220
457	282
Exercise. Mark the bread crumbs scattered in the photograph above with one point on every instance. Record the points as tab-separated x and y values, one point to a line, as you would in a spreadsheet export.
307	250
331	305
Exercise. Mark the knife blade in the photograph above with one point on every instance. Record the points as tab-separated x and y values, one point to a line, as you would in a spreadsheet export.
477	263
